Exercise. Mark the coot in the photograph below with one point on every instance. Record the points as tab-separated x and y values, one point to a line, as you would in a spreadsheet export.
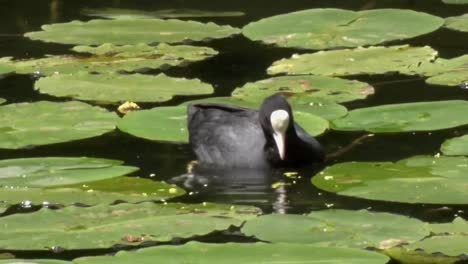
230	136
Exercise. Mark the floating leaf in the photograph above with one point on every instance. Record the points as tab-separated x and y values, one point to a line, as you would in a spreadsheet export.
371	60
455	2
121	13
170	123
110	58
331	28
451	72
420	116
233	253
130	31
459	23
129	189
5	67
455	245
56	171
361	229
34	261
114	88
421	179
321	87
104	226
51	123
456	146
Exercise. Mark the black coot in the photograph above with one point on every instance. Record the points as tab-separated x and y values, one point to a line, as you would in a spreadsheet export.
230	136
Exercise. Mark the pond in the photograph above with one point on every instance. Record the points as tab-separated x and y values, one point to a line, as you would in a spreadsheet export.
382	88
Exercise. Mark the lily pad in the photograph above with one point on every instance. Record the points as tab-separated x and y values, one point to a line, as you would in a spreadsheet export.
56	171
233	253
110	58
371	60
299	102
420	116
130	31
103	226
320	87
455	146
128	189
52	123
113	88
121	13
452	72
332	28
2	100
170	123
458	23
420	179
361	229
455	2
5	67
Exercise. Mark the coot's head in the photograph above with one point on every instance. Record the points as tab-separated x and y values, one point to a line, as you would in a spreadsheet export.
277	121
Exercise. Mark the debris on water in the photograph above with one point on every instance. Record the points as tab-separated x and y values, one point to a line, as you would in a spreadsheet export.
128	107
172	190
57	249
329	205
291	174
26	204
437	155
276	185
464	85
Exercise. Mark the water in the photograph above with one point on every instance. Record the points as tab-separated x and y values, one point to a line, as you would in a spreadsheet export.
240	61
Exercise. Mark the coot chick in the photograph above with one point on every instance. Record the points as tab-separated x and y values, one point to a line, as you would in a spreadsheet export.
226	136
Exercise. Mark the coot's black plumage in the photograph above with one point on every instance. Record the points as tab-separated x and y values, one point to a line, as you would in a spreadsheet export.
231	136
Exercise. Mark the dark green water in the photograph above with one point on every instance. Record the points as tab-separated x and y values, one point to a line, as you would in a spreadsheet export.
240	61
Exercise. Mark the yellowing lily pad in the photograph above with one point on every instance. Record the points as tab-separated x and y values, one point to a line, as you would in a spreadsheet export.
332	28
114	88
420	116
41	123
420	179
130	31
103	226
111	58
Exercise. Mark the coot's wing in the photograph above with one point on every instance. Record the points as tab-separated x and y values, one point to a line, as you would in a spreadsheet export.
225	136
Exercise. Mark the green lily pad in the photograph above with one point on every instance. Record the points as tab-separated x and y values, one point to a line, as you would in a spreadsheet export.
103	226
371	60
34	261
361	229
300	102
420	179
455	245
458	226
5	67
121	13
321	87
2	100
458	23
455	2
170	123
452	72
332	28
233	253
404	255
130	31
455	146
110	58
129	189
56	171
52	123
420	116
113	88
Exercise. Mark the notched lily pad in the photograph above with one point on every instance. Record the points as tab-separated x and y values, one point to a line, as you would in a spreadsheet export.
371	60
56	171
246	253
113	88
111	58
105	226
51	123
318	87
121	13
332	28
420	179
170	123
361	229
128	189
130	31
420	116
